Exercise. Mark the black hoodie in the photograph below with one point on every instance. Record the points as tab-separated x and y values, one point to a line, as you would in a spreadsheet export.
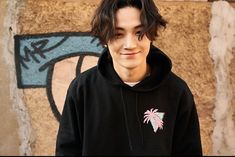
104	116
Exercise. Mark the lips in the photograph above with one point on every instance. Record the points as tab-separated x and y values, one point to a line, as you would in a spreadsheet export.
129	53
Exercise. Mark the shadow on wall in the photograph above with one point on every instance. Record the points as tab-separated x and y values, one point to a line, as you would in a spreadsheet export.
51	61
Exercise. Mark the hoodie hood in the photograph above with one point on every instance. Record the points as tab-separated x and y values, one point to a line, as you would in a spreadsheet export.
159	63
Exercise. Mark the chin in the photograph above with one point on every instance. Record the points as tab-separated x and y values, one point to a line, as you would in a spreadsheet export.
130	66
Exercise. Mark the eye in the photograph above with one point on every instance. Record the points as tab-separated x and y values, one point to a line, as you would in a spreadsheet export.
118	35
137	33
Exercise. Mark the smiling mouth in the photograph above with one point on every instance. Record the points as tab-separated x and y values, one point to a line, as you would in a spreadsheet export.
130	53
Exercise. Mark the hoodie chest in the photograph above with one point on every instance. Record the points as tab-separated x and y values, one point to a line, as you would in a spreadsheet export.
144	118
112	104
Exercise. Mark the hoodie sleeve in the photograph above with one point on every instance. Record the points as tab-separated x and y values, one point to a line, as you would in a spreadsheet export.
69	140
187	140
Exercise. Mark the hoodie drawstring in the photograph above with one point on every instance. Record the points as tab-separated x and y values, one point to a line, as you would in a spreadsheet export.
137	115
126	122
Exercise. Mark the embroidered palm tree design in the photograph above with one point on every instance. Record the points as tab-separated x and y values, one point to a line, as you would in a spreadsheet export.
155	118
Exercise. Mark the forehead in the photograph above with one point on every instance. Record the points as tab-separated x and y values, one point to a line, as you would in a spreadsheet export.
128	18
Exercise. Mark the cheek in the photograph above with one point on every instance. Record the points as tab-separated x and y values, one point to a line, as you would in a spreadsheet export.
114	47
145	47
145	44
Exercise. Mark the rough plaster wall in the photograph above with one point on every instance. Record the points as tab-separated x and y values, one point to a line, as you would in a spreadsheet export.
232	75
9	138
222	30
56	15
43	17
185	41
22	142
61	80
44	124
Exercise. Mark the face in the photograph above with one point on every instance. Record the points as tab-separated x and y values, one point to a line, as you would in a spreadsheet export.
126	50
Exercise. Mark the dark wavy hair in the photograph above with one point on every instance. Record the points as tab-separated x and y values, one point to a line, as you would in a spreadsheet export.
104	20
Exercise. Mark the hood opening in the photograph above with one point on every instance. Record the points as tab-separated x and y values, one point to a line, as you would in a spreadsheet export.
159	62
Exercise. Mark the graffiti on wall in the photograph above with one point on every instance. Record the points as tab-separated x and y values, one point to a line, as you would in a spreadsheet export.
52	60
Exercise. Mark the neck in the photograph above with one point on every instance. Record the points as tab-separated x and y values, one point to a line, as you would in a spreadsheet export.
132	75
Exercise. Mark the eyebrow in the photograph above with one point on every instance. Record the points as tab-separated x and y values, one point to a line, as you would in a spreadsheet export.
136	27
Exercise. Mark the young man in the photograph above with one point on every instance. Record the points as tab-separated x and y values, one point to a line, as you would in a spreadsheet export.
131	103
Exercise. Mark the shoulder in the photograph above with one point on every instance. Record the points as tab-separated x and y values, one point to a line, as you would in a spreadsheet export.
84	77
89	72
178	83
186	98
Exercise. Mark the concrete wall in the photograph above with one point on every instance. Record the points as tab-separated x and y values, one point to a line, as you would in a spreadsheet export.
185	40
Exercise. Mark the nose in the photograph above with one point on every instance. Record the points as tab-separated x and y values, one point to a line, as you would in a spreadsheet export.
130	42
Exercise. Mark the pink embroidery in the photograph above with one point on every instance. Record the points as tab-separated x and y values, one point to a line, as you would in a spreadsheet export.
155	118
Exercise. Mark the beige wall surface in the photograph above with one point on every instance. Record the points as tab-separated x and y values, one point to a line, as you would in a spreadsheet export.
232	72
185	40
9	138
